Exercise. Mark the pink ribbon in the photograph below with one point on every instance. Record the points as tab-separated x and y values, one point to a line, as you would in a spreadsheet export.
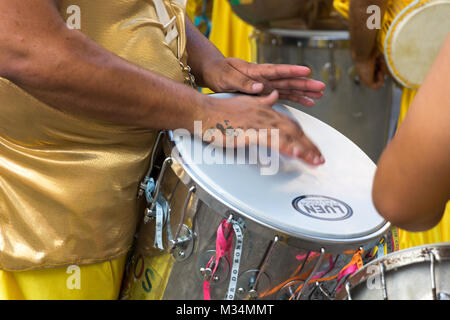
224	242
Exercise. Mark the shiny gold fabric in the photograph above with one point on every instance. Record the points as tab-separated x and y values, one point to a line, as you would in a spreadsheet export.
68	185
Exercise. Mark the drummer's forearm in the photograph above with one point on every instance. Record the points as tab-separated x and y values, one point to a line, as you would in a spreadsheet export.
70	72
412	183
203	55
363	39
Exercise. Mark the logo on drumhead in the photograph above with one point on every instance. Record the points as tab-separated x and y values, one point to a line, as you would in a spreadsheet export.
323	208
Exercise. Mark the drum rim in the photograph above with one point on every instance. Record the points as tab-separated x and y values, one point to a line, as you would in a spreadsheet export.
221	206
405	12
309	38
395	260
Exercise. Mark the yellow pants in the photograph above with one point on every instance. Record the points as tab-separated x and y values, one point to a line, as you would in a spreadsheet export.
100	281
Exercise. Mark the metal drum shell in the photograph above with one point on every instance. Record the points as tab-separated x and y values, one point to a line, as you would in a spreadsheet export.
223	209
181	273
305	14
204	217
261	12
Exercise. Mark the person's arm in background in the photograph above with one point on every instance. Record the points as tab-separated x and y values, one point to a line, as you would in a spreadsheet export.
69	71
220	74
369	62
412	182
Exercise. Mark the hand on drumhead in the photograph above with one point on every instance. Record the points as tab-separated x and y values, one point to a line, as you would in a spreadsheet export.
236	75
241	119
371	71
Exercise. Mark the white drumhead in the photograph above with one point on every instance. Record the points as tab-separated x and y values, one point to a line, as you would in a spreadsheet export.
331	202
416	40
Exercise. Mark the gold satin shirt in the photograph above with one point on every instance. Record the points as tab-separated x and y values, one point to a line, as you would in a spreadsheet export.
68	185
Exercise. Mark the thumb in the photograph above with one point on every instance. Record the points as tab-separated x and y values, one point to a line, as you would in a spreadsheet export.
270	100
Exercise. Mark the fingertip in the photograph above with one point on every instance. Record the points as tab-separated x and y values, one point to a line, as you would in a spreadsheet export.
322	159
273	96
320	86
318	160
307	102
303	71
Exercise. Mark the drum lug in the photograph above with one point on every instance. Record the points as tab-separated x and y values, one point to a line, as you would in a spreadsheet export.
183	246
205	268
313	272
207	274
150	212
143	185
324	291
348	290
331	72
353	75
250	282
149	215
276	43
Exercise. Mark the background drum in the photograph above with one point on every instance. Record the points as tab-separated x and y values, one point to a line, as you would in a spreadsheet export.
412	36
367	117
305	14
293	228
420	273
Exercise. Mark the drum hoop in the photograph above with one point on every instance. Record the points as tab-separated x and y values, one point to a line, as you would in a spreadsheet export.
409	9
316	39
396	260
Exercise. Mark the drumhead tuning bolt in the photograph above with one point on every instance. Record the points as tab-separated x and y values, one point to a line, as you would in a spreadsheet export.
179	242
241	291
143	185
347	289
383	280
252	294
207	273
433	275
315	268
324	291
149	215
183	246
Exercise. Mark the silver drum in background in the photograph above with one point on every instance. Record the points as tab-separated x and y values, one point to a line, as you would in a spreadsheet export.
419	273
367	117
303	14
297	223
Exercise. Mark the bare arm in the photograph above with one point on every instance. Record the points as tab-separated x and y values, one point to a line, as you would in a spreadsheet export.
221	74
412	183
70	72
202	53
363	39
368	60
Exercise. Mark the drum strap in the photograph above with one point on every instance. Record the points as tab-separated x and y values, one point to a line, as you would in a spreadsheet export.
224	241
162	214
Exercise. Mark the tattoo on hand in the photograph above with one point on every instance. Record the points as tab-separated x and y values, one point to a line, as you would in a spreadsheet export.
227	129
